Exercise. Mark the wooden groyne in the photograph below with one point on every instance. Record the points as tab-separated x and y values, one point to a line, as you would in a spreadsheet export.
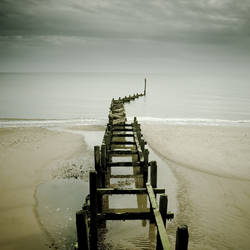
124	141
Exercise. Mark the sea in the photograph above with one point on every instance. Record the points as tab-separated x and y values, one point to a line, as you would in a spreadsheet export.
49	99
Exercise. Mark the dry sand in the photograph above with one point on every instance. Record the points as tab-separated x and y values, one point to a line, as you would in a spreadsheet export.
212	168
25	157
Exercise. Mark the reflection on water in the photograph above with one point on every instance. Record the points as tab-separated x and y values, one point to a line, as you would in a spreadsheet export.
135	234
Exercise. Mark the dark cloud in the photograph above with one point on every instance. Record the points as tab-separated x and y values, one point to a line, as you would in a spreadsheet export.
91	30
159	19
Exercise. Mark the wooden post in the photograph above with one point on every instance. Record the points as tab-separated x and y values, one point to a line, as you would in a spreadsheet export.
107	139
164	207
182	238
99	174
135	119
142	145
153	174
103	163
82	230
97	163
145	86
145	167
93	209
110	119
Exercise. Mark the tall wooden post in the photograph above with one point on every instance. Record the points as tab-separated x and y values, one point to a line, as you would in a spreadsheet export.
142	143
145	86
103	163
153	174
182	238
98	164
145	167
93	209
99	174
82	230
163	207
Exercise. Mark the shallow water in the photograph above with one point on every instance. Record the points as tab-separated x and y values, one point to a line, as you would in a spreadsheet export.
59	199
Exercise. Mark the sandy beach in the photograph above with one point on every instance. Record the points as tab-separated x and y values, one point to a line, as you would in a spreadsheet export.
25	157
212	168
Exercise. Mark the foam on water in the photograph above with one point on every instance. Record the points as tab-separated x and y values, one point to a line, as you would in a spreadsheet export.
15	123
190	121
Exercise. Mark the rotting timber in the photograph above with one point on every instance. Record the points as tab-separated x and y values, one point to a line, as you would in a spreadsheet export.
122	139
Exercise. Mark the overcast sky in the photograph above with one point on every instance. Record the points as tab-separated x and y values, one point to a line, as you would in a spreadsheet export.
127	36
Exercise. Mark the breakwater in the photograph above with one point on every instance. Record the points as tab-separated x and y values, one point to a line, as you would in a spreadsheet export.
123	146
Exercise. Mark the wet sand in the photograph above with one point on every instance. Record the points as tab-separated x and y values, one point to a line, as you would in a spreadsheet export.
212	168
25	158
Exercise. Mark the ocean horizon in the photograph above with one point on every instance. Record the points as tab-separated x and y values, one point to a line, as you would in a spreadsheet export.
47	99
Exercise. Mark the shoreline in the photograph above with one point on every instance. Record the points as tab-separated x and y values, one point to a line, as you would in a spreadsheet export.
26	155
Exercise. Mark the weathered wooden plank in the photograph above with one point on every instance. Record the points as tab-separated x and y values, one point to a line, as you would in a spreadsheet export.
117	115
119	215
119	121
123	143
124	164
122	129
118	110
117	106
122	152
122	135
126	176
126	210
124	125
158	219
111	191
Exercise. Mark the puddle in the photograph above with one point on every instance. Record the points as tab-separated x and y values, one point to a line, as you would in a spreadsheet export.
59	200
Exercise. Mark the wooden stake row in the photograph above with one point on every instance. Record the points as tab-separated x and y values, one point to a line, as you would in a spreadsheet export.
96	209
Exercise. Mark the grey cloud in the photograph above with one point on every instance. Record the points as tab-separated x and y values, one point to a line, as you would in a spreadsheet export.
78	35
141	19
